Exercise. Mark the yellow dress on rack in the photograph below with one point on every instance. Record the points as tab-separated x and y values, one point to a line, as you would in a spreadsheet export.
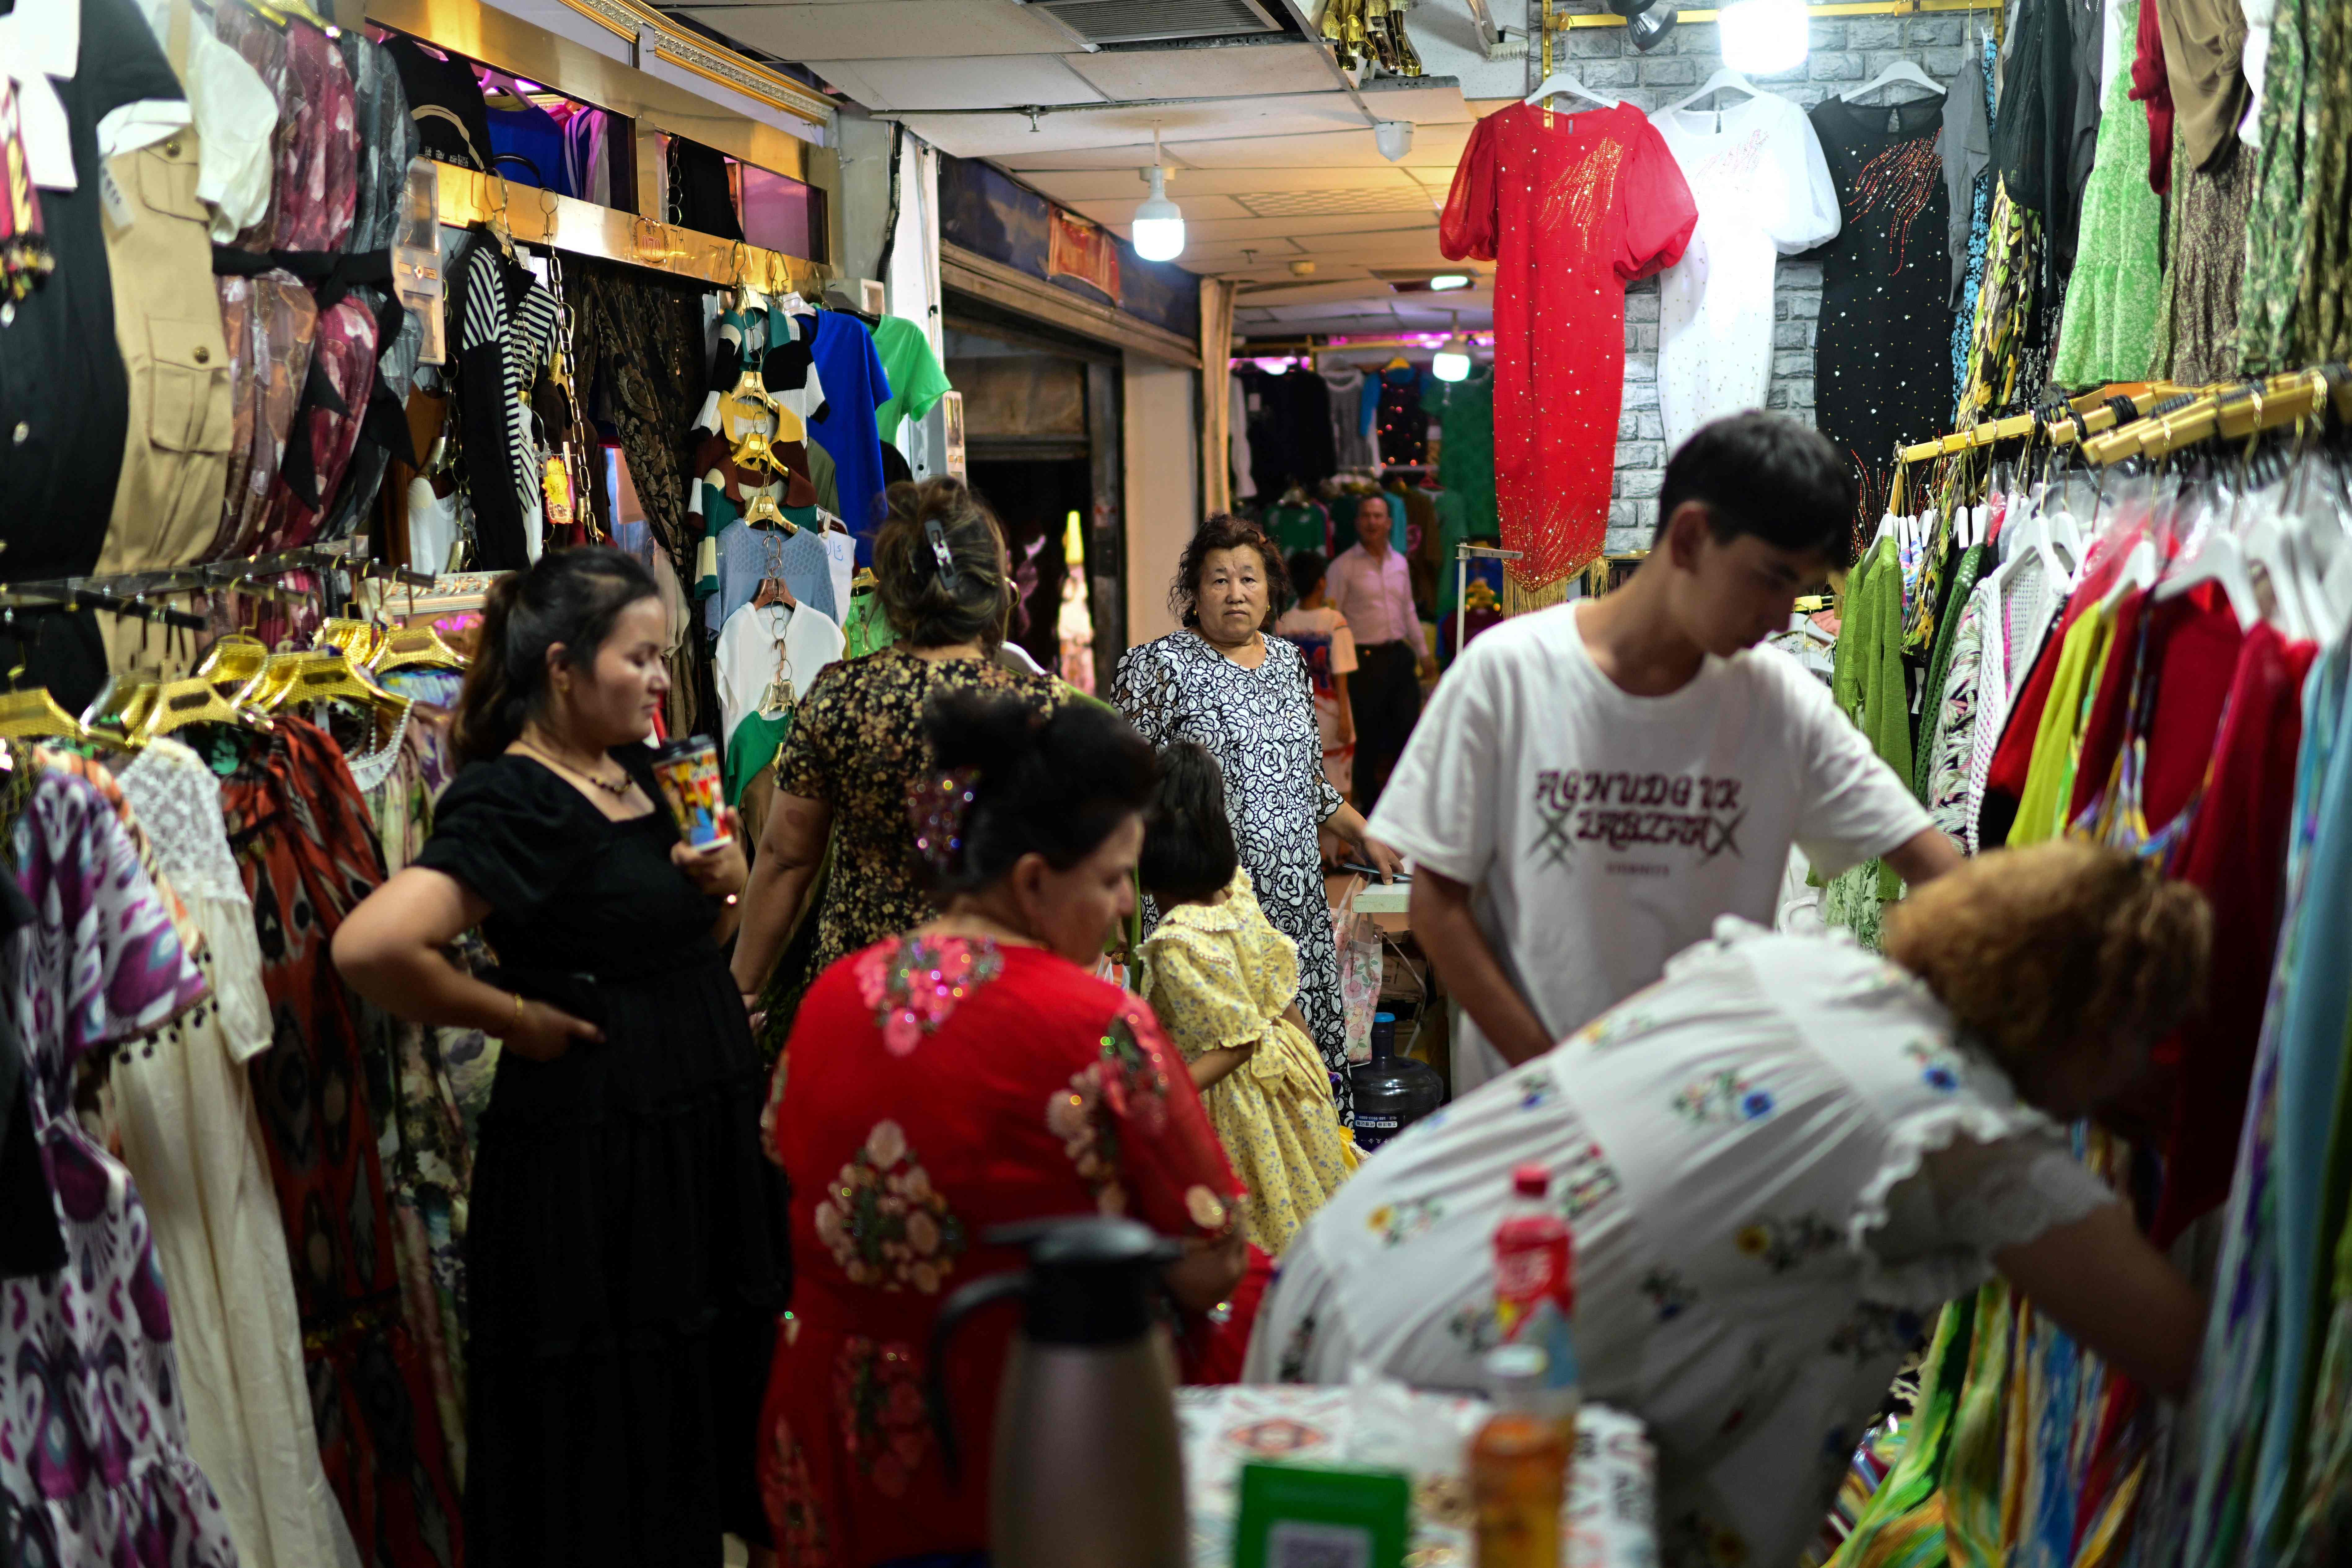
1219	975
2049	777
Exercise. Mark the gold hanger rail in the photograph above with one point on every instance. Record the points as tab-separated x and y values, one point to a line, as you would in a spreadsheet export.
2240	411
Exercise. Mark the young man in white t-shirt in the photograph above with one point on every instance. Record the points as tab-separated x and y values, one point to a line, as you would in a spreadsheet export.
1595	784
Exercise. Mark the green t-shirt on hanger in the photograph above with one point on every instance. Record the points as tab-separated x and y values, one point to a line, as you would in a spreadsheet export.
917	382
1296	528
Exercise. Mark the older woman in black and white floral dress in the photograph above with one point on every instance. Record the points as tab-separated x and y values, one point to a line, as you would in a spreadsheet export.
1247	697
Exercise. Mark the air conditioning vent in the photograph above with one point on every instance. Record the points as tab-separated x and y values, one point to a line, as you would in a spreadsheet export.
1099	22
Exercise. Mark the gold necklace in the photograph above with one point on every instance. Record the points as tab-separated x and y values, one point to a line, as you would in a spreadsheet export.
617	790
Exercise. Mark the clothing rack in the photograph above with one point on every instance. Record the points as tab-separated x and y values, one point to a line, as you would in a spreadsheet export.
2094	413
2228	414
1462	555
126	593
30	597
1252	348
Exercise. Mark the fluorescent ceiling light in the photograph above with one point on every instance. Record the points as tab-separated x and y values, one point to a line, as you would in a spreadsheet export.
1446	281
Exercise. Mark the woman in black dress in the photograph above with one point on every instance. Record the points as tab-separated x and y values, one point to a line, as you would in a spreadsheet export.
628	1250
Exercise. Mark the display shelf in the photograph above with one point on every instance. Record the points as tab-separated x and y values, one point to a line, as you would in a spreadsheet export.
468	198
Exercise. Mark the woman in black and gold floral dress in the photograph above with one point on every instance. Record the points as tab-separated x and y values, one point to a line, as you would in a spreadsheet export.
857	743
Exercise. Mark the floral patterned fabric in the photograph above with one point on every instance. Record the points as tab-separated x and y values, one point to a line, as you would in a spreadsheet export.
1776	1164
857	744
429	1076
271	324
1952	744
308	853
2298	303
2110	328
2204	266
94	1464
1219	976
1025	1088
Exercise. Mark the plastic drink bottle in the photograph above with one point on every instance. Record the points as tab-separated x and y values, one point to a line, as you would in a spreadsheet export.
1519	1466
1535	1290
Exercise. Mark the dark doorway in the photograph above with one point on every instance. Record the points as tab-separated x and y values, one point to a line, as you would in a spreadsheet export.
1034	497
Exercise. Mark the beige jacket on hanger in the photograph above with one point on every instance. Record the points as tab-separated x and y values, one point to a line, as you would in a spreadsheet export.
167	324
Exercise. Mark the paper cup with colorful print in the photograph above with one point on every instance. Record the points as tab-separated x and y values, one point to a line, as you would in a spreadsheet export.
687	771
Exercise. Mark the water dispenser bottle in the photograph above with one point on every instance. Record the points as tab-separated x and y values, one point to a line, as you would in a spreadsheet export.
1392	1092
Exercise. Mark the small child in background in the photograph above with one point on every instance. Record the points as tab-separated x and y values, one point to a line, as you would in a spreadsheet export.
1224	983
1321	635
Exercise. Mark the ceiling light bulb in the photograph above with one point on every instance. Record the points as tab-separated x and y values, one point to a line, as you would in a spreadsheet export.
1764	38
1393	138
1453	361
1158	223
1446	281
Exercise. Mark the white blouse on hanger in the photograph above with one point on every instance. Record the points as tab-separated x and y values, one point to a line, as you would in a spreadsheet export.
1764	191
769	649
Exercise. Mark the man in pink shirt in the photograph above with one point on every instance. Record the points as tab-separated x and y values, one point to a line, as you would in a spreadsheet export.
1369	584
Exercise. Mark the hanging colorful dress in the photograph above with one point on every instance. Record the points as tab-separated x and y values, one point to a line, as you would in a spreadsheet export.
191	1135
94	1463
1571	208
308	854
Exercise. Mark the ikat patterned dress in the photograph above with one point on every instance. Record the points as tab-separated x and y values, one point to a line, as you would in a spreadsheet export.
94	1463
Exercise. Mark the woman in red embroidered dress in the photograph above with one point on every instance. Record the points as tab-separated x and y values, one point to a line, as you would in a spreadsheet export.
969	1074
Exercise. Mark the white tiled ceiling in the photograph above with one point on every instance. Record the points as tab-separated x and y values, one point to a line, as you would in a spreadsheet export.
1279	166
886	29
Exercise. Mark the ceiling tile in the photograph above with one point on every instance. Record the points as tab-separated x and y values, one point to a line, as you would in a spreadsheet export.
1254	230
1110	185
1117	213
1235	72
989	135
906	84
887	29
1337	201
1129	155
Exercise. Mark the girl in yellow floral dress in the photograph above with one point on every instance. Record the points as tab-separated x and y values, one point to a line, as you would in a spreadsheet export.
1224	983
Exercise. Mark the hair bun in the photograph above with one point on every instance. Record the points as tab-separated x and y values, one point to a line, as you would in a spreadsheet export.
972	730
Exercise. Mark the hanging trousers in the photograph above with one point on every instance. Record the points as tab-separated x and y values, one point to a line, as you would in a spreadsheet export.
1385	692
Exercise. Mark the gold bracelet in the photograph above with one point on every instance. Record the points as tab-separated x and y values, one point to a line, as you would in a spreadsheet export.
518	1001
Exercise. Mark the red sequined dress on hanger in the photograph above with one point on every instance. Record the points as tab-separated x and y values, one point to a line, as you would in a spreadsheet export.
1571	208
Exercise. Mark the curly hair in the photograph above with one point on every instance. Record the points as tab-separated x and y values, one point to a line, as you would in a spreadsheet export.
2028	948
1221	531
925	608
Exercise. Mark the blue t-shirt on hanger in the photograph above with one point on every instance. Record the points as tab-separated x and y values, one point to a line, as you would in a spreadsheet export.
855	385
531	133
